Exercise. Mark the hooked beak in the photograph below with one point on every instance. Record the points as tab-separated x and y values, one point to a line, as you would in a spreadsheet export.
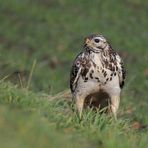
87	42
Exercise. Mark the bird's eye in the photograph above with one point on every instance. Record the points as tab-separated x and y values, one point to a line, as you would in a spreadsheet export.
96	40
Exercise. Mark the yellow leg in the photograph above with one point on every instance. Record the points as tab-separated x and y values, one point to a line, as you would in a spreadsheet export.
115	100
80	104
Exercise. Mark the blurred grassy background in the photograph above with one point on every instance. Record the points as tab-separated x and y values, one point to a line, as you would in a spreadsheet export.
51	32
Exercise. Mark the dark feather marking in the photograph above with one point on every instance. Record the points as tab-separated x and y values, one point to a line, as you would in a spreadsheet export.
105	74
123	75
116	68
91	76
97	79
84	72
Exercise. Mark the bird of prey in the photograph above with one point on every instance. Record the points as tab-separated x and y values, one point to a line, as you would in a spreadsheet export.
97	69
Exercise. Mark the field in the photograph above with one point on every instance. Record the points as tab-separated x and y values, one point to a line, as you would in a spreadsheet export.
38	41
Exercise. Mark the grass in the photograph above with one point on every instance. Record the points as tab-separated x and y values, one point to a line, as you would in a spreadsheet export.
38	42
29	119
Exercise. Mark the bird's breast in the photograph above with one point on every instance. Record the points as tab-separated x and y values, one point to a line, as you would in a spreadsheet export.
96	71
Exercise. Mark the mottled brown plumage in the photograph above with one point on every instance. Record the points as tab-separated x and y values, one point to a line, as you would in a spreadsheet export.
97	69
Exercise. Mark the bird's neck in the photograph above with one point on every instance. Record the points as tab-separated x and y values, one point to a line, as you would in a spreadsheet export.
108	55
104	54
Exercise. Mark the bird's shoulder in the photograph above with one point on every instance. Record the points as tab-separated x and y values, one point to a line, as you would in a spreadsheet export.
118	66
74	74
121	71
81	62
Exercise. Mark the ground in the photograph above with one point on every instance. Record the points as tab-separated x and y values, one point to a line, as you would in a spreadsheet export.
38	42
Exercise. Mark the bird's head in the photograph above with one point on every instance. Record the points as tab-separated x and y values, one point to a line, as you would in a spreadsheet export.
95	43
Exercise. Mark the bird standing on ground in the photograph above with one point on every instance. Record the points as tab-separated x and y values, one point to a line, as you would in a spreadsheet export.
97	69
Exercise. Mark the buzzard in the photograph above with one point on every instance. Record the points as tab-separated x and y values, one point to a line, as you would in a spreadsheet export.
97	75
